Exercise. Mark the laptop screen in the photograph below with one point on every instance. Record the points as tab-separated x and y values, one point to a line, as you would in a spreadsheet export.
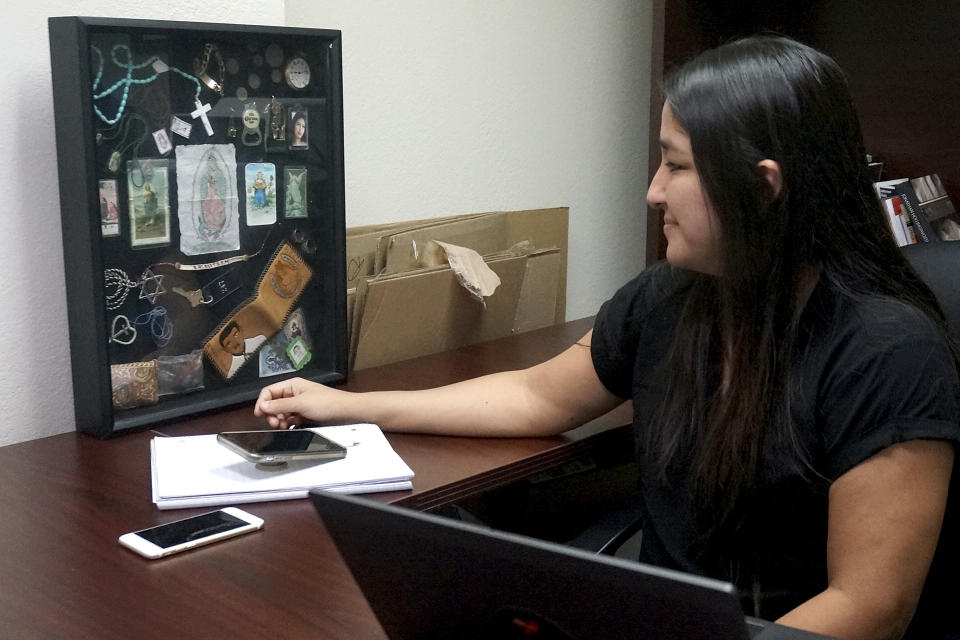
431	577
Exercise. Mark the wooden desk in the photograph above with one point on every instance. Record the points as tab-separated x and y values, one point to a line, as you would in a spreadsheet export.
65	499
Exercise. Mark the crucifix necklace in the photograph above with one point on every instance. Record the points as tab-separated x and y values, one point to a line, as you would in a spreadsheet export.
201	112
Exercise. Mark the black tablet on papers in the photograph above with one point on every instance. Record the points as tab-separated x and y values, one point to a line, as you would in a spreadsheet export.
430	577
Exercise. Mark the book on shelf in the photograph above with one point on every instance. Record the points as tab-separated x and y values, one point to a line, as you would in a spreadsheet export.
874	168
937	206
197	471
899	225
900	200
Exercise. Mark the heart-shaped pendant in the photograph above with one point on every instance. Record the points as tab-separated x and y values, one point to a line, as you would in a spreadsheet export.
121	331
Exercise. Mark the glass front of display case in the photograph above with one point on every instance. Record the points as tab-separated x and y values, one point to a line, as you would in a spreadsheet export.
217	160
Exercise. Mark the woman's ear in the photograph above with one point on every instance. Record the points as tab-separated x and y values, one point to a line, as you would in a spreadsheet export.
770	170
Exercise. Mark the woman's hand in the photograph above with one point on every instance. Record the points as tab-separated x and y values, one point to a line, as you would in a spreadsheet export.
295	401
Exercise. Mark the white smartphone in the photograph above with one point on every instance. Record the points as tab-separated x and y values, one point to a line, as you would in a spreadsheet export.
180	535
275	447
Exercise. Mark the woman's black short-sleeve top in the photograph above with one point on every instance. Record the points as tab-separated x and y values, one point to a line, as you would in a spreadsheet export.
872	372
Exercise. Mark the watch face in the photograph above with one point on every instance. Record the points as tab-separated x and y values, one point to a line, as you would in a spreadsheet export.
297	73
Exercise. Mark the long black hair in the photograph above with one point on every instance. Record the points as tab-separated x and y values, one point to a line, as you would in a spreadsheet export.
765	97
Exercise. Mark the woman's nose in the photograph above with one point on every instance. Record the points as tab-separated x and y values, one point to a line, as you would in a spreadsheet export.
656	195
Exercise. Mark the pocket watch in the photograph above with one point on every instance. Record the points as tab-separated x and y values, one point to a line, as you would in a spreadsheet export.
297	72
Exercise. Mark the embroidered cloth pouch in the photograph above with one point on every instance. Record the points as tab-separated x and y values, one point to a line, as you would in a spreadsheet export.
134	384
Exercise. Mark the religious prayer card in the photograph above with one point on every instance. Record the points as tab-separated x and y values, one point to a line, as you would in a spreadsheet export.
273	356
181	128
209	210
164	146
295	187
148	190
261	179
109	209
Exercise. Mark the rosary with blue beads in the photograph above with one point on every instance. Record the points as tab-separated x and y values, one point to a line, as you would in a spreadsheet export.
158	66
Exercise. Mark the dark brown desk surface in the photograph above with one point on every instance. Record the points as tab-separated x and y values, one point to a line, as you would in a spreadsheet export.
64	501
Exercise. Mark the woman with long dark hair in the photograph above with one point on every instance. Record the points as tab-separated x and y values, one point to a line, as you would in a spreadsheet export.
794	382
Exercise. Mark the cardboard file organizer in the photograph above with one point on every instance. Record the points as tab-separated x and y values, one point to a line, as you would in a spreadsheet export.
404	299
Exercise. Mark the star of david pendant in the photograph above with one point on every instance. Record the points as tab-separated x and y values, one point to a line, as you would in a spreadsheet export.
151	286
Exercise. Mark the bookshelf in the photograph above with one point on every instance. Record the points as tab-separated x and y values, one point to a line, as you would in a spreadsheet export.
900	59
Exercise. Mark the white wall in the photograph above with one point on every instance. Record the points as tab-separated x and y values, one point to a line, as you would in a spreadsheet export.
36	393
458	106
450	106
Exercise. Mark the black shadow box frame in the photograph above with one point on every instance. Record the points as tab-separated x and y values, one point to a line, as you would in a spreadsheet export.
272	70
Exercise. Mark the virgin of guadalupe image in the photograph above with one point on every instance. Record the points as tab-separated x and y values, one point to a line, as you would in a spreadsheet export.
207	198
212	217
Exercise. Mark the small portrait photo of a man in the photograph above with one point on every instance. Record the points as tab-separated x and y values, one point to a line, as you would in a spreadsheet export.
238	346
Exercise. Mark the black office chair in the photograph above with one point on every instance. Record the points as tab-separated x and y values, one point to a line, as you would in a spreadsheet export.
609	533
938	263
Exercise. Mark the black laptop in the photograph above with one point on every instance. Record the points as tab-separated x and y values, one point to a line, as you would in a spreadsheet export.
431	577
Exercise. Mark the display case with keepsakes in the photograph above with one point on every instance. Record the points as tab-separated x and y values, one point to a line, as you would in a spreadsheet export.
202	202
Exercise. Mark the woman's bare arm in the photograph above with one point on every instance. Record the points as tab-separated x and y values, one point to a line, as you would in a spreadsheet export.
546	399
884	523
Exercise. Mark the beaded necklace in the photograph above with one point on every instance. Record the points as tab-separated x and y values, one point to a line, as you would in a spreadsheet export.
121	49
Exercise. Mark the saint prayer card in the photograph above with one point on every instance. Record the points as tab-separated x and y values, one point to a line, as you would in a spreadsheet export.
295	188
261	178
109	209
148	190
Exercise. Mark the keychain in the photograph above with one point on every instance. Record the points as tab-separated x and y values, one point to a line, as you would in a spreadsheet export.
251	136
212	292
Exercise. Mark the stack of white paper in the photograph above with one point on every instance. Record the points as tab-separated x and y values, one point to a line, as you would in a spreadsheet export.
196	471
